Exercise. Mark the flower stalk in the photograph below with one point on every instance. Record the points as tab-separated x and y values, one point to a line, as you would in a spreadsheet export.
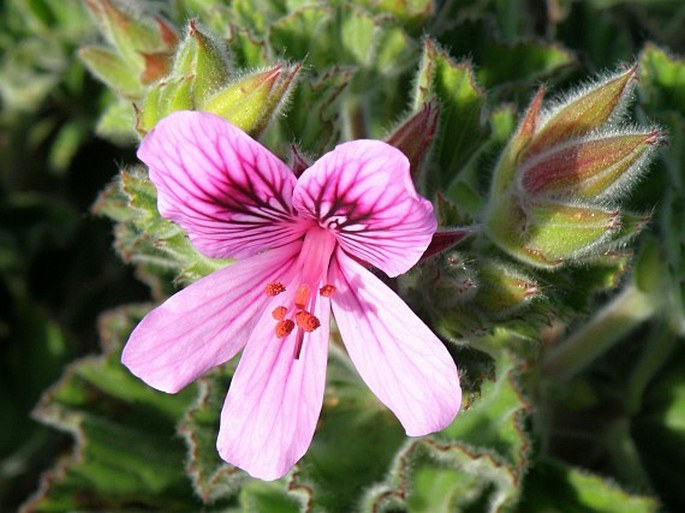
630	308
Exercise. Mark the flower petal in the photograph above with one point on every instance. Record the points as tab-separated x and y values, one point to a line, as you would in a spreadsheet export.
396	354
229	193
274	401
363	190
206	323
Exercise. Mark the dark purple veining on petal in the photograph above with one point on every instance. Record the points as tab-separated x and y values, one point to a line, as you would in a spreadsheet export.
232	199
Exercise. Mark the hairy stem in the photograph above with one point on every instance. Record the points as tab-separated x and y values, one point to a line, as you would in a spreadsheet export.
625	312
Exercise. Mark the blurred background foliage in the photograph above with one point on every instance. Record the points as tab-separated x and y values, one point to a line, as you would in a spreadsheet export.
604	435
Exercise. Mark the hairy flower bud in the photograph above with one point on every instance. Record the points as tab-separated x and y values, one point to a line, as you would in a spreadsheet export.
583	112
415	135
556	183
250	102
503	289
589	167
142	47
202	78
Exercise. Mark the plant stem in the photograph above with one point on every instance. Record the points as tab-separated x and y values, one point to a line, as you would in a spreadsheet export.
626	311
663	342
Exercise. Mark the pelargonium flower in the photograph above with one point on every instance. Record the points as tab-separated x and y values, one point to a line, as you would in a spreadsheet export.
303	247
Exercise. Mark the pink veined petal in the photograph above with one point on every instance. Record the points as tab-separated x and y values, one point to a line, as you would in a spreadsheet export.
229	193
206	323
363	190
396	354
274	401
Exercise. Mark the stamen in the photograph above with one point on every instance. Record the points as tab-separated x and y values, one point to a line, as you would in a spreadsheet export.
327	290
284	328
302	296
279	313
274	288
306	321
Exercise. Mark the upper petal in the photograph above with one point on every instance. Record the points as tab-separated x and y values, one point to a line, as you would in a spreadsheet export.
206	323
274	401
229	193
363	190
396	354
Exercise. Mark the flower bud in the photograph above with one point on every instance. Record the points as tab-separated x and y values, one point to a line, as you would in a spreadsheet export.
445	239
549	196
450	282
503	290
587	168
415	135
250	102
109	67
145	43
584	112
206	60
163	99
506	168
556	231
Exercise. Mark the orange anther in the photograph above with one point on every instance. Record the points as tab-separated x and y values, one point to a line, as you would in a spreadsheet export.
327	290
284	328
279	313
274	288
302	296
306	321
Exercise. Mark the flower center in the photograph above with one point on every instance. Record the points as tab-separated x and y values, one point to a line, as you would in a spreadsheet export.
311	269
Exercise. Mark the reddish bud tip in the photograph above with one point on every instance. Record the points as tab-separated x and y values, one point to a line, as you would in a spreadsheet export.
445	239
157	65
414	136
298	163
167	33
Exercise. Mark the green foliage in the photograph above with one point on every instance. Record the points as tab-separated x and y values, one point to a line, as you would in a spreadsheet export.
125	456
566	324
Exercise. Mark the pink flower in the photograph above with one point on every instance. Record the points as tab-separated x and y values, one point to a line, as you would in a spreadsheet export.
299	244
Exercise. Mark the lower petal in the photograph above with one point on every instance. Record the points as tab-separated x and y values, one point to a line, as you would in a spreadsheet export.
400	359
274	401
206	323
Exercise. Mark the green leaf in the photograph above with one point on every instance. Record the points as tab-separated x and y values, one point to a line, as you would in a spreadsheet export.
412	14
125	454
67	142
143	237
112	69
355	442
475	464
461	101
117	123
659	430
314	112
247	51
554	487
213	479
361	45
515	60
524	61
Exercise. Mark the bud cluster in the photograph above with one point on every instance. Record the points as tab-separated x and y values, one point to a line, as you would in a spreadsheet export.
151	67
554	191
140	51
202	78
